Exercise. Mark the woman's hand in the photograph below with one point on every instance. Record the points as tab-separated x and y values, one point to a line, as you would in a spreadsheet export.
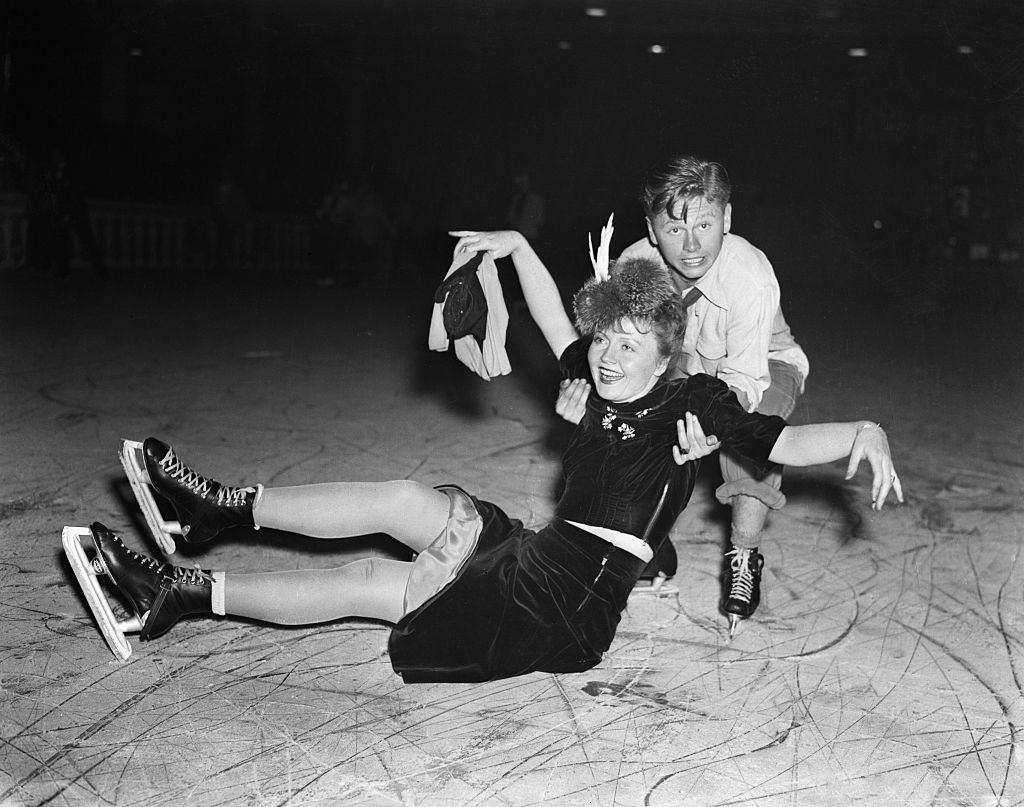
692	443
500	243
872	444
572	399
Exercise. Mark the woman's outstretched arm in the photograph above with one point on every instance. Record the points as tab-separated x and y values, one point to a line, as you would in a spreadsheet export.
819	443
539	289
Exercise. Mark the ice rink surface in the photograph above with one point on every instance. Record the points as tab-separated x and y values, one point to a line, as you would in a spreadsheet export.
885	665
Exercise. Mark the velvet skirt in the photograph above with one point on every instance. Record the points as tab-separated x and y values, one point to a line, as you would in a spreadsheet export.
510	600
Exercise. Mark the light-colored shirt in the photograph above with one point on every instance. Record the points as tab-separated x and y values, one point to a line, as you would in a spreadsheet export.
737	325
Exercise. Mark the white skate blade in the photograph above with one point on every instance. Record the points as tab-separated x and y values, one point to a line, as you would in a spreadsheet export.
135	469
85	572
734	623
658	587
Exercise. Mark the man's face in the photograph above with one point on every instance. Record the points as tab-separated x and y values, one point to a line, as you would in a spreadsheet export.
691	246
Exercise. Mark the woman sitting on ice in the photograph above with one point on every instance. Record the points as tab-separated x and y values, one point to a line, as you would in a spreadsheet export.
486	597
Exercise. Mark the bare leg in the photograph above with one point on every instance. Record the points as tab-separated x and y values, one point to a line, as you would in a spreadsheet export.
372	588
748	517
408	511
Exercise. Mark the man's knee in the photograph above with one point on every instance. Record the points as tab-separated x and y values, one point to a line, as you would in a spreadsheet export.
784	390
731	492
738	480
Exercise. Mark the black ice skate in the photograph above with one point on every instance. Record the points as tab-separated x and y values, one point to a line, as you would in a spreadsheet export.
741	581
158	594
657	574
204	507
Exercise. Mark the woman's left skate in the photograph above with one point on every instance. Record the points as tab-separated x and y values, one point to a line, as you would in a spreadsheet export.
134	464
88	565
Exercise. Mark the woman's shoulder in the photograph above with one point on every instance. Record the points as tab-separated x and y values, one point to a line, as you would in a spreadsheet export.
697	392
681	394
573	361
702	382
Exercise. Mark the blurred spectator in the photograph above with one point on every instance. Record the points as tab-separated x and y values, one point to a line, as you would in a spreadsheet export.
74	212
333	233
410	235
526	210
231	215
374	234
48	237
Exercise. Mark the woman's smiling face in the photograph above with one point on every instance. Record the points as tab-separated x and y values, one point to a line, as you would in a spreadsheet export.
625	361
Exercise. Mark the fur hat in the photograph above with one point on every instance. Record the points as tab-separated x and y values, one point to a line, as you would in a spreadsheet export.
636	288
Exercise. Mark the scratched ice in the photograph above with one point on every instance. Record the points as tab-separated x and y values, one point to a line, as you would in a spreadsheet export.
885	665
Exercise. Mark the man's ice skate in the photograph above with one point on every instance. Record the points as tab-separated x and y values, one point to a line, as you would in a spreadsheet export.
157	594
742	582
204	507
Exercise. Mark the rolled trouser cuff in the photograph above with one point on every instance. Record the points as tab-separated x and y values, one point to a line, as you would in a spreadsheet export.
772	498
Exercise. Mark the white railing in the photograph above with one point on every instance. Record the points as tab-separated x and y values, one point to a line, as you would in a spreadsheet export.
139	237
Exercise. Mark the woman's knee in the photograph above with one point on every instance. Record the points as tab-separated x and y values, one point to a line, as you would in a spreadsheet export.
415	512
408	491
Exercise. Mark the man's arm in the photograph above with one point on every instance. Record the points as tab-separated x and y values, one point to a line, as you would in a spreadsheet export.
744	367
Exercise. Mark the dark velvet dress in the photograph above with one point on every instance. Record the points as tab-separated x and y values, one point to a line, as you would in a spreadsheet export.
520	600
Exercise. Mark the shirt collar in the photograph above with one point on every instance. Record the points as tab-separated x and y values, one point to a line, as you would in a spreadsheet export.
711	284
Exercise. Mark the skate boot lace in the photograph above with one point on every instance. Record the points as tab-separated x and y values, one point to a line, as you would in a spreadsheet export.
225	497
169	575
180	472
742	577
142	560
233	497
190	577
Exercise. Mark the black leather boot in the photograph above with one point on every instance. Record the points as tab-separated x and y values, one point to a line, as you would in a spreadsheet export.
160	594
204	507
741	584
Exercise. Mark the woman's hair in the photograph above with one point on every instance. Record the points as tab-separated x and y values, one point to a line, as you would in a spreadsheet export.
680	179
639	290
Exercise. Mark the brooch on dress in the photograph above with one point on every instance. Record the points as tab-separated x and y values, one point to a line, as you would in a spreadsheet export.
627	431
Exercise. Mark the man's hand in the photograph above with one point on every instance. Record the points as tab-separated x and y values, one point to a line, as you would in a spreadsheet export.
572	399
693	444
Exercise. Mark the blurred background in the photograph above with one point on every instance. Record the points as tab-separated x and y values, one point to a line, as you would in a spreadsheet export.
869	141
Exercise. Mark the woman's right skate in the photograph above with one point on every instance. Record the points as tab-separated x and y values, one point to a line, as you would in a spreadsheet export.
203	506
134	464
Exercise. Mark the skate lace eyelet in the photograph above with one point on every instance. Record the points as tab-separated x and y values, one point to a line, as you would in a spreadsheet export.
190	577
233	497
180	472
742	577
